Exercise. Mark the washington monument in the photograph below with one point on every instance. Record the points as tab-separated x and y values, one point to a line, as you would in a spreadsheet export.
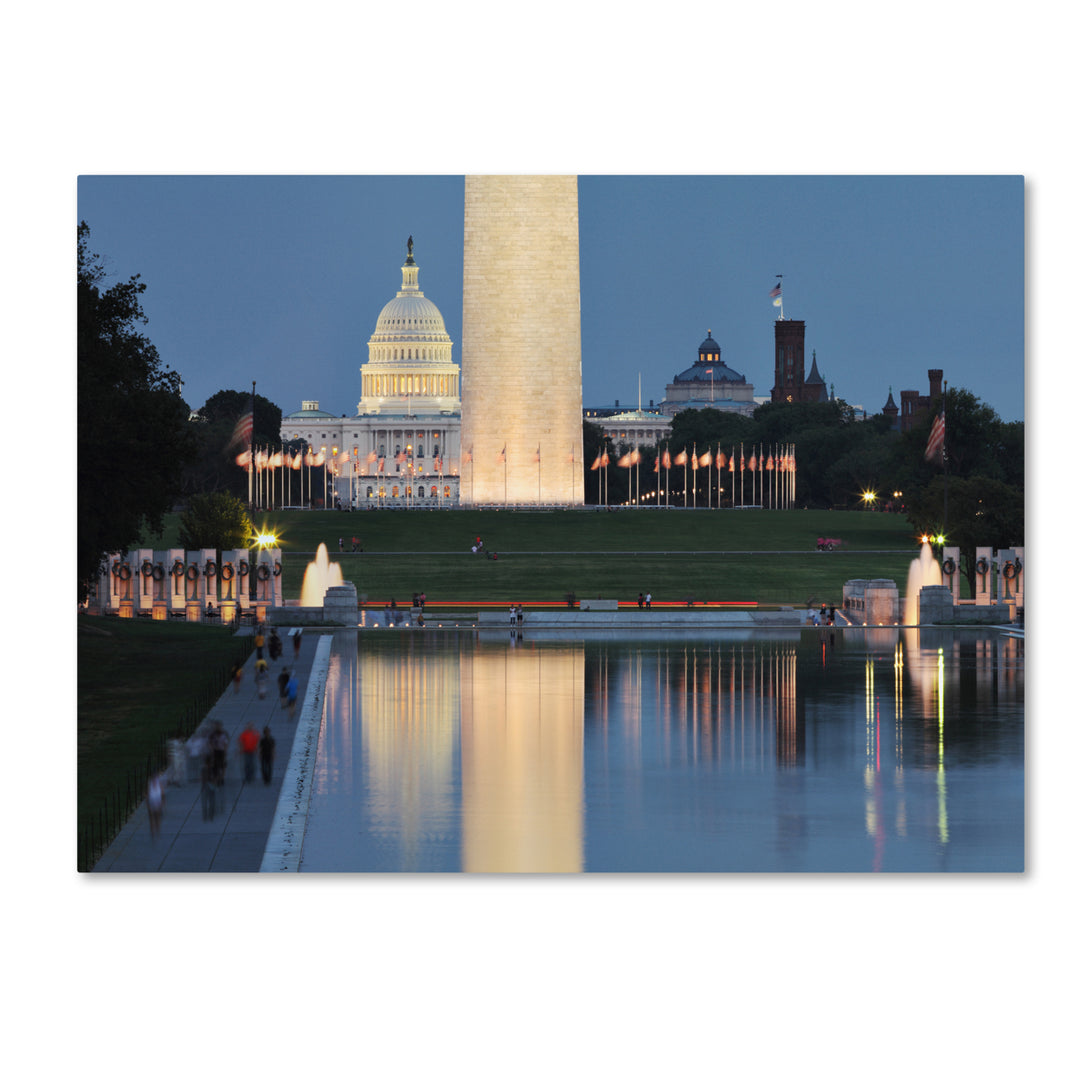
521	342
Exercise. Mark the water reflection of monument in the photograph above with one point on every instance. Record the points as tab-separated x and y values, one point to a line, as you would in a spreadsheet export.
522	758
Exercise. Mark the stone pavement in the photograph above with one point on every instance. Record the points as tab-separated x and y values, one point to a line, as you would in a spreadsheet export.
235	839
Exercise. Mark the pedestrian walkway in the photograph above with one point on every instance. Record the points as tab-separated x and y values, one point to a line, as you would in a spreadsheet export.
235	839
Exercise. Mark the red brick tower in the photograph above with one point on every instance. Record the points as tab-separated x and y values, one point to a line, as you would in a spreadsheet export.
788	379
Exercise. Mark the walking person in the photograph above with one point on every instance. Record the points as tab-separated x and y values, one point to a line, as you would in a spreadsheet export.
292	688
155	802
266	755
236	673
260	641
297	634
282	683
219	745
648	599
249	744
207	780
274	645
261	676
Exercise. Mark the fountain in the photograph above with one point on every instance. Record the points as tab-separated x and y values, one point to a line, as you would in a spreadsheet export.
319	576
924	571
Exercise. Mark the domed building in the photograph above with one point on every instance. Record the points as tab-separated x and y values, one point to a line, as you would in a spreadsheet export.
403	446
709	384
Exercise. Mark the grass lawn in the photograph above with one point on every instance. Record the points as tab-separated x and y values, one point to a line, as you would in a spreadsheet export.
139	683
765	556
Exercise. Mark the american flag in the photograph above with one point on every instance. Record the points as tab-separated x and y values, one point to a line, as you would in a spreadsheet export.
241	435
775	291
935	445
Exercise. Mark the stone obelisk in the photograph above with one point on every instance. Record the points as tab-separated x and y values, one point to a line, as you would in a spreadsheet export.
521	343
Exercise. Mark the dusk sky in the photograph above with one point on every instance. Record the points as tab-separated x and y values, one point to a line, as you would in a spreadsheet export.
280	279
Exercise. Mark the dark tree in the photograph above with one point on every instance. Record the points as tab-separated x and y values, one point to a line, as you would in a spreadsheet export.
215	520
133	436
983	512
215	468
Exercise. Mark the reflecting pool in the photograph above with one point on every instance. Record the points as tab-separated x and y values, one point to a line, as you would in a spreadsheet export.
794	751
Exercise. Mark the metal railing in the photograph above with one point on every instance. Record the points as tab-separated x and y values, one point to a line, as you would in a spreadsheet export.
97	829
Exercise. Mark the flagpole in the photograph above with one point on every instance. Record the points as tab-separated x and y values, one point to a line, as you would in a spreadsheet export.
944	458
251	441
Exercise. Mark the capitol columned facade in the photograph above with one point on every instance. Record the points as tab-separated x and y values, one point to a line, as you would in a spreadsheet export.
403	446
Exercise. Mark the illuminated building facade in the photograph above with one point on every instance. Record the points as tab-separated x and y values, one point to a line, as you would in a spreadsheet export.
402	448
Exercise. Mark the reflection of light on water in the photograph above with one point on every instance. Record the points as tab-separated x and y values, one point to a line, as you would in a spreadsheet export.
409	706
522	759
943	808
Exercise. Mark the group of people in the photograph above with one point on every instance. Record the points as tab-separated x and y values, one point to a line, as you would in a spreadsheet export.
826	617
517	614
212	749
644	600
353	540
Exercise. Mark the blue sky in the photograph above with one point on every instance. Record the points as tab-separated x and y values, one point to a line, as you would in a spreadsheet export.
280	279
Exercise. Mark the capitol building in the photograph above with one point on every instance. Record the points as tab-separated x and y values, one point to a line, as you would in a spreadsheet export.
403	446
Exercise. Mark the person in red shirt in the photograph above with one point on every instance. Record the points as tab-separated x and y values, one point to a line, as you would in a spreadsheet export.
249	744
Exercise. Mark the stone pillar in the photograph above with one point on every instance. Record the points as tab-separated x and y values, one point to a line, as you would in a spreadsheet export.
1005	560
244	569
143	580
192	585
984	559
160	585
935	605
275	580
882	602
176	583
521	342
951	555
230	582
264	584
125	573
339	604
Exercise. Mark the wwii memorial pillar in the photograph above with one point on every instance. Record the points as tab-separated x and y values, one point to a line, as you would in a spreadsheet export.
521	342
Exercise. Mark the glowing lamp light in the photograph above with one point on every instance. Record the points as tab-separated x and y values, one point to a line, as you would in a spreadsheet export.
265	540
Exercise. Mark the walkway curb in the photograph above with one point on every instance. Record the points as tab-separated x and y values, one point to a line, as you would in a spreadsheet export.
285	843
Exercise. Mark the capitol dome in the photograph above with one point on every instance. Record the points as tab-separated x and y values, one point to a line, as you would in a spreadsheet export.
410	365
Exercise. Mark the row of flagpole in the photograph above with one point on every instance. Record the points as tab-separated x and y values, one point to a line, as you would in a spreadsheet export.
502	458
771	469
263	462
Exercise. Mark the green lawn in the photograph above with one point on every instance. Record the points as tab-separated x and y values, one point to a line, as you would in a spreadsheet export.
139	683
766	556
